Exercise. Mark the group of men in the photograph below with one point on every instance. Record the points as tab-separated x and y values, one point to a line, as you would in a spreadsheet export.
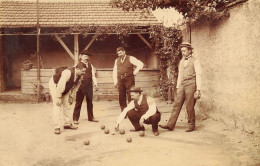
78	81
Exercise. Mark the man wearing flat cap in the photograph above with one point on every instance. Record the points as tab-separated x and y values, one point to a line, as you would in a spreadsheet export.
124	74
85	89
142	109
188	88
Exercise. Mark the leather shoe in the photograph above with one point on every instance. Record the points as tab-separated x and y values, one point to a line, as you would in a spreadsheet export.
57	131
71	127
189	130
156	133
135	130
93	120
75	122
165	127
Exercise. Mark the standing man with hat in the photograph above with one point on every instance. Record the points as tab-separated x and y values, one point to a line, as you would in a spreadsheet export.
86	89
142	109
124	74
188	88
62	85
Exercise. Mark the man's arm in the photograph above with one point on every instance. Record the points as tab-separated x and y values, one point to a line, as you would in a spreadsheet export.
151	110
94	76
139	64
179	76
115	73
65	76
130	106
198	72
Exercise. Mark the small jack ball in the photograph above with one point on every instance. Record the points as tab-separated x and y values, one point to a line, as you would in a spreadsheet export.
141	133
102	127
129	139
106	131
122	131
86	142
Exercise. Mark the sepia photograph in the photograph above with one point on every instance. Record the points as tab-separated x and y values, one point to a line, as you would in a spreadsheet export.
129	82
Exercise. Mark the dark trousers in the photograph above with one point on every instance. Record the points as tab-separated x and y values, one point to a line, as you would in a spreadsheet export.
81	93
124	85
184	92
135	116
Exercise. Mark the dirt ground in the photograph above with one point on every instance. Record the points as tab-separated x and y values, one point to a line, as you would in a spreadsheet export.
27	139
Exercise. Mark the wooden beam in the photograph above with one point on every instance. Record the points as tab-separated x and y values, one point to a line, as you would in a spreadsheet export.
144	40
64	46
76	48
89	44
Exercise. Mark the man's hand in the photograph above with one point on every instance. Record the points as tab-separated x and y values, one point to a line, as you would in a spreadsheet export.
96	88
117	127
115	85
58	102
197	94
141	121
70	99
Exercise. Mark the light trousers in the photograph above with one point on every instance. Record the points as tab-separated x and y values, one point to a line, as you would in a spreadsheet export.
65	109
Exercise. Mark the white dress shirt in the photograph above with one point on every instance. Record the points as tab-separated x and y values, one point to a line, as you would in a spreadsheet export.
151	110
139	65
65	76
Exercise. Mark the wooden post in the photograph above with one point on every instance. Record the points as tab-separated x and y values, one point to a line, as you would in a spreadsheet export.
38	56
144	40
64	46
76	48
2	73
89	44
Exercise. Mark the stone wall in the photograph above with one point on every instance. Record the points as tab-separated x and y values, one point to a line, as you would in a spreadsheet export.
229	52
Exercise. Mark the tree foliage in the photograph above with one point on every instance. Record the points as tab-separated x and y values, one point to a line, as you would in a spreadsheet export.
192	10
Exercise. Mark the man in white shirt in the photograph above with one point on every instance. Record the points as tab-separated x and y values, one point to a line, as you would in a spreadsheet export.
124	74
142	109
86	89
188	88
61	88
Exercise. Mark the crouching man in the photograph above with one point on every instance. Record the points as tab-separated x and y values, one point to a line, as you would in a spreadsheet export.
62	86
142	109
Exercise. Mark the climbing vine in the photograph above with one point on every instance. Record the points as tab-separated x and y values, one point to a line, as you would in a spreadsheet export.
192	10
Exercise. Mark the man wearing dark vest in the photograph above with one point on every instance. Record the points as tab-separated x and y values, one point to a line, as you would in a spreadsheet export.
188	88
142	109
86	89
62	86
124	74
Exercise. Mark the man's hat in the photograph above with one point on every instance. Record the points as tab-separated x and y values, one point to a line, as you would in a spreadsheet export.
85	52
186	44
135	89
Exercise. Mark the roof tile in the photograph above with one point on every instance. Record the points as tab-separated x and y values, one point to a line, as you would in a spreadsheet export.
68	13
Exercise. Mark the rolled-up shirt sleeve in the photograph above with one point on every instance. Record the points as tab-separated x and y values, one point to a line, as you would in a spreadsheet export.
94	76
130	106
65	76
115	73
152	108
198	72
139	64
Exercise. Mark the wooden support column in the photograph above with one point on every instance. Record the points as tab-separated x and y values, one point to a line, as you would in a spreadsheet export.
144	40
76	48
64	46
89	44
2	69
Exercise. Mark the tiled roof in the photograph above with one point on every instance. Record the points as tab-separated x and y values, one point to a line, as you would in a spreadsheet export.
64	14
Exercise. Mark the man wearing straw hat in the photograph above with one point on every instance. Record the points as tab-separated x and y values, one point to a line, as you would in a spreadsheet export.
188	88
